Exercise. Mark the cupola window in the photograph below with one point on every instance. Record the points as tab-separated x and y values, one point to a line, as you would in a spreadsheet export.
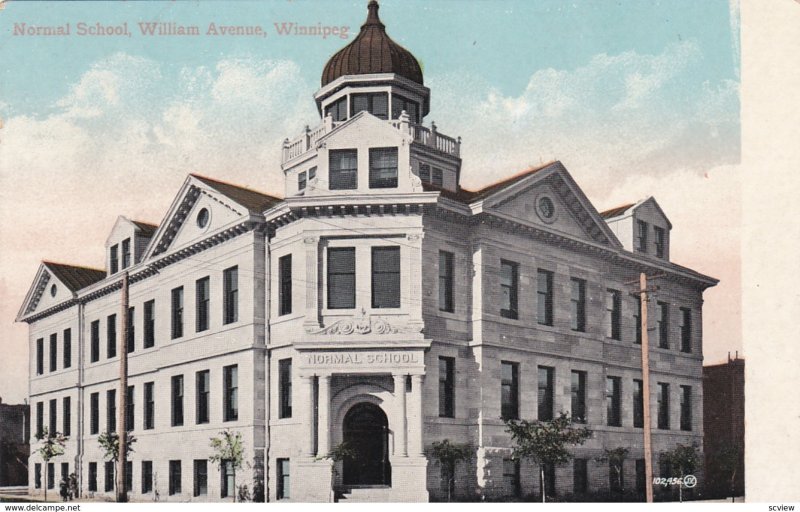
399	104
338	109
376	104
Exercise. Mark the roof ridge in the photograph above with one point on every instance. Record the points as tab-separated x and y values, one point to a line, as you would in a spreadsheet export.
229	184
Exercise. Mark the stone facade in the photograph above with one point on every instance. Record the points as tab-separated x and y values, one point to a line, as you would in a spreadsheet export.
376	306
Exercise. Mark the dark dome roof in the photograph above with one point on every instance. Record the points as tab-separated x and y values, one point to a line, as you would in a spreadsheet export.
372	51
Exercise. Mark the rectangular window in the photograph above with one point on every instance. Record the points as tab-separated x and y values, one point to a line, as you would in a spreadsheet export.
51	475
550	479
92	477
343	169
638	403
663	325
129	476
578	391
285	289
580	476
512	473
231	392
447	388
114	260
376	104
149	323
686	330
616	477
614	314
147	476
546	378
663	406
385	277
177	400
200	477
659	241
613	397
230	285
399	104
202	382
544	294
126	253
111	410
149	406
109	476
446	279
66	416
509	287
425	173
641	236
686	408
67	356
284	488
312	173
111	336
37	476
337	110
95	341
94	413
53	352
578	303
509	390
641	478
202	290
177	312
129	410
301	181
131	337
285	388
39	419
637	320
383	168
174	477
65	471
53	417
40	356
227	487
437	177
341	277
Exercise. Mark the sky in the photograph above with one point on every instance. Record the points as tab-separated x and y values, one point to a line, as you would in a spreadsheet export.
635	98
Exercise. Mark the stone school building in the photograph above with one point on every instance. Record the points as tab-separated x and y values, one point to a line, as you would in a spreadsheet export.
378	304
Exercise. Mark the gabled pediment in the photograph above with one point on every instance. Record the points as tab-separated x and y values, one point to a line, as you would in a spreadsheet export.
548	197
364	129
202	208
55	284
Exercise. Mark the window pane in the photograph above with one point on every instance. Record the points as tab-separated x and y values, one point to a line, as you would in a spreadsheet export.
285	289
508	288
446	281
383	168
230	278
385	277
341	278
343	169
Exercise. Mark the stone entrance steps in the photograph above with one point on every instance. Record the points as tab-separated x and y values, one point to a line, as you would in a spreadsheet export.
366	495
14	491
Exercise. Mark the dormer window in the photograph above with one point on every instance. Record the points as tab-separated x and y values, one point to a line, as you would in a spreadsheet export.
113	260
399	104
641	236
337	109
659	241
301	181
383	168
126	253
343	169
376	104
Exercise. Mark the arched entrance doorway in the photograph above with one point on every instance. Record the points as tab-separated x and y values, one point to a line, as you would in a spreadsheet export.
366	432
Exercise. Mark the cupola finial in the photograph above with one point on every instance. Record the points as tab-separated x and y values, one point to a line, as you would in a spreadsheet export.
372	16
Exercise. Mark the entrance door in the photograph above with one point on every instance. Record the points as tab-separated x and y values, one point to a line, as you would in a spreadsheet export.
366	432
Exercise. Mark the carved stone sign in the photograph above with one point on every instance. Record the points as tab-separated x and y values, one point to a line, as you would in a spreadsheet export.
377	358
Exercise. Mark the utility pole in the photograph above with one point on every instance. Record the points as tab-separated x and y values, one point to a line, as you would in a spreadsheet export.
122	430
648	449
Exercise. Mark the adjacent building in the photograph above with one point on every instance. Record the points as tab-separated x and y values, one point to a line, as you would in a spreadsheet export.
378	304
14	444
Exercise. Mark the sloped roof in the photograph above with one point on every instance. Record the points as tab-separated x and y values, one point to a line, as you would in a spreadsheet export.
146	228
75	277
253	200
616	211
470	196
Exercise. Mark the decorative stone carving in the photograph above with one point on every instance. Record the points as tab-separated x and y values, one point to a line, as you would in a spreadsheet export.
361	323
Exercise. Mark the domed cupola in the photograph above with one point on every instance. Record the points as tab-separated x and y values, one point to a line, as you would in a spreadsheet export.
372	52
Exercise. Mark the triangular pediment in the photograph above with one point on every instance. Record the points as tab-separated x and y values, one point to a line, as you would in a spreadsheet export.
550	198
56	284
203	208
369	130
